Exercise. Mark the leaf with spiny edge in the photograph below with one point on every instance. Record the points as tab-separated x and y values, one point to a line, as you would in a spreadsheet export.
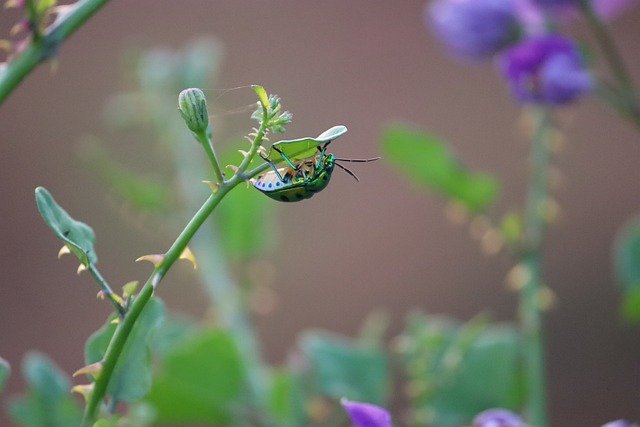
77	236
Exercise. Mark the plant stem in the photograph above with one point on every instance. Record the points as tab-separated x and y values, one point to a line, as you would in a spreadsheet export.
124	327
205	140
106	289
42	48
530	304
626	90
119	339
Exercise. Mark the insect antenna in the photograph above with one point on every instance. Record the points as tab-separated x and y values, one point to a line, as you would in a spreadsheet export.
344	168
358	160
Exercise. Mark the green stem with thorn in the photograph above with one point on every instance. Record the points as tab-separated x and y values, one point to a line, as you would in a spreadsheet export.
106	290
46	45
126	324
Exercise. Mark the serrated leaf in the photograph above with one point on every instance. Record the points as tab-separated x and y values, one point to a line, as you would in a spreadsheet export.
626	258
303	148
131	378
5	371
341	368
77	236
199	381
426	159
48	402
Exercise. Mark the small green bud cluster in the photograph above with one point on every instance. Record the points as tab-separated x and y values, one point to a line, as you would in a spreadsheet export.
272	115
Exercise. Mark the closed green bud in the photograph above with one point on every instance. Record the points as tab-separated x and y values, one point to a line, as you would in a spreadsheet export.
193	109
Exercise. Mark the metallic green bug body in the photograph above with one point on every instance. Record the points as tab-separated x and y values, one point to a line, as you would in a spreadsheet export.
292	184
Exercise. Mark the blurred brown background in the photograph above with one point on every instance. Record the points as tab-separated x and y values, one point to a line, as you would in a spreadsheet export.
380	243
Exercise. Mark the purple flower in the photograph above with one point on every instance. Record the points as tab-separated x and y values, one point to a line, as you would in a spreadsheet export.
532	12
474	29
619	423
546	70
555	3
609	9
366	414
497	418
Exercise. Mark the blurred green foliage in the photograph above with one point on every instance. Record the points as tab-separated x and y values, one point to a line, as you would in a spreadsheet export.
48	402
626	255
427	160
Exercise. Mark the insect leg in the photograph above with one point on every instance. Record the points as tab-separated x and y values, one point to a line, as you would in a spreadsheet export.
286	159
275	169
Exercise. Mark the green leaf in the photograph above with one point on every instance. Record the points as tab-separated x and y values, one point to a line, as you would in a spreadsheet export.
5	371
457	370
489	376
302	148
626	255
285	399
426	159
48	402
131	378
199	381
341	368
77	236
262	95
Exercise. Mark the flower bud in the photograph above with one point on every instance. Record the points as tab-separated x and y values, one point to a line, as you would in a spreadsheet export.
193	109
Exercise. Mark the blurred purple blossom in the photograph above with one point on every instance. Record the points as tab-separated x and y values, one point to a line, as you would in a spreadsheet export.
532	16
473	29
619	423
497	418
546	70
366	414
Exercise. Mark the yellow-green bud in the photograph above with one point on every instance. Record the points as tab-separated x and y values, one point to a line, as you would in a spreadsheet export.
193	109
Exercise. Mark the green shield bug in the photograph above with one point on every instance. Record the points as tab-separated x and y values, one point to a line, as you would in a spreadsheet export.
307	171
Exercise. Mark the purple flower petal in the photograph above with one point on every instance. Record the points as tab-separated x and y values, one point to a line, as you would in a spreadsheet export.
532	12
609	9
619	423
474	29
497	418
366	414
546	70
